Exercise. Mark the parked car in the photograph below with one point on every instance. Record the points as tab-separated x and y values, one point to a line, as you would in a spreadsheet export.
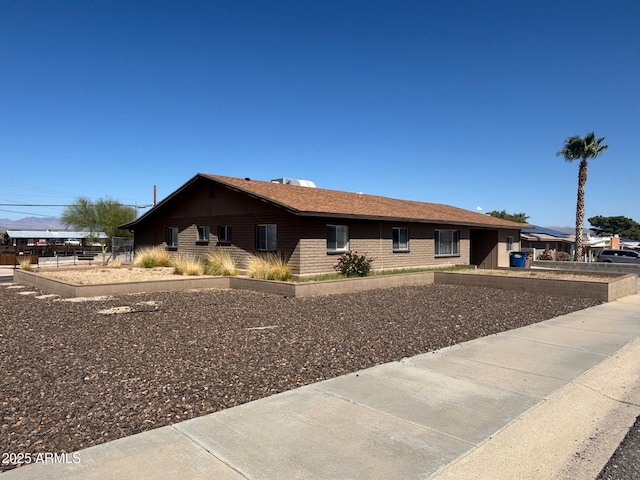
618	256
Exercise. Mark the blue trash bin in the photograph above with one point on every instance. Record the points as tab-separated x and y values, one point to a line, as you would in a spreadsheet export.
518	259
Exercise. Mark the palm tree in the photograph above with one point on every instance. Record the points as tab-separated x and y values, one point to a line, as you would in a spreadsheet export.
581	148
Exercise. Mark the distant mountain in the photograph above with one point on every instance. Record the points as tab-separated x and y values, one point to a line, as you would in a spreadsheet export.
31	223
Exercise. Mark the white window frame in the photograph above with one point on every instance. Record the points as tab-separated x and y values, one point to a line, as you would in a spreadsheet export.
267	237
172	237
337	238
396	238
203	233
510	242
447	243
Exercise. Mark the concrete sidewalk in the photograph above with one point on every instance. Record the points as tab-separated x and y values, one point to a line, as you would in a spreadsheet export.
551	400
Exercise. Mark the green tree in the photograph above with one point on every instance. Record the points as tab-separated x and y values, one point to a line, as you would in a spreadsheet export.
623	226
514	217
583	149
104	215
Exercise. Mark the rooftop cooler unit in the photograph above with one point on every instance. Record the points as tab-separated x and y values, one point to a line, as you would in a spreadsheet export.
294	181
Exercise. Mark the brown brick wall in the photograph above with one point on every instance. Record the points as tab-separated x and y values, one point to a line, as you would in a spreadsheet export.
243	235
375	240
301	240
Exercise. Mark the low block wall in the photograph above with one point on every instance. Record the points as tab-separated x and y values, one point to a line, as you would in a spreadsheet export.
597	267
352	285
623	286
267	286
604	291
68	290
331	287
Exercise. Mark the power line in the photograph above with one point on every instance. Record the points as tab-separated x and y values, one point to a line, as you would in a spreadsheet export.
61	205
25	213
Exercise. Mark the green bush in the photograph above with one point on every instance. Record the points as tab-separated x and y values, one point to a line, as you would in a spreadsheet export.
351	264
562	257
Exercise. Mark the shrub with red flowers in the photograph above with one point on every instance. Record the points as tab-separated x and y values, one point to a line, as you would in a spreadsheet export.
352	264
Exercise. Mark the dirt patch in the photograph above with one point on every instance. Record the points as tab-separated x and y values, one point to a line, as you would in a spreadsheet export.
100	275
540	273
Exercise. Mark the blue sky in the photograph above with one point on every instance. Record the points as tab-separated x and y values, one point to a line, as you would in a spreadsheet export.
464	103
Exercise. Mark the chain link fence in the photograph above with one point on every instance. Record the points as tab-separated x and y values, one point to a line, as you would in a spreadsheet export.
122	248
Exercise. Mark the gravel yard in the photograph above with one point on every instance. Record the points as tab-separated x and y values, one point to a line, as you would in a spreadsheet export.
79	373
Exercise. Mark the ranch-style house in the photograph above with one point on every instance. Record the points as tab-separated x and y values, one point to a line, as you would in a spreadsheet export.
310	227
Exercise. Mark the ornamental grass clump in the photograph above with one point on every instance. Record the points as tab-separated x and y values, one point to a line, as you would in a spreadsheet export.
25	264
351	264
150	257
220	262
269	267
187	265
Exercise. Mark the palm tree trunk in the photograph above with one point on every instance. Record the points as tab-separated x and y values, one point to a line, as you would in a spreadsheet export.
582	181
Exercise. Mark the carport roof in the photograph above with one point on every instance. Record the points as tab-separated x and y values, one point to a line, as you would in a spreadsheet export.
61	234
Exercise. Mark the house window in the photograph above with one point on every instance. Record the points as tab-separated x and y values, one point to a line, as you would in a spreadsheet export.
172	236
447	243
400	239
203	234
509	243
224	233
337	238
266	236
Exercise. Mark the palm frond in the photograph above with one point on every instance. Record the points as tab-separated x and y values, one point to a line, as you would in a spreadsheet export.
585	148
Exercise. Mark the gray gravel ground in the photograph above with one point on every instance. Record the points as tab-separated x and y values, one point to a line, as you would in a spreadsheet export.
625	462
74	376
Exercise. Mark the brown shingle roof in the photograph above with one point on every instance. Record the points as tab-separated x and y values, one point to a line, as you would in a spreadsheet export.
321	202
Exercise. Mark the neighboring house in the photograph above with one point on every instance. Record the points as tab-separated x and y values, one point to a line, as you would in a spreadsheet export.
594	245
628	244
538	239
309	227
47	240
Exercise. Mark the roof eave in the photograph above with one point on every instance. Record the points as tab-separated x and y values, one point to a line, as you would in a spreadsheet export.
402	219
289	208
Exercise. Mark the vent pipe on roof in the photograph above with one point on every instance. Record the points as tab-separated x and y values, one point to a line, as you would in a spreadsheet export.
294	181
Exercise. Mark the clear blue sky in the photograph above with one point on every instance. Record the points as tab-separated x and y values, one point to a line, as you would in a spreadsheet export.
464	103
